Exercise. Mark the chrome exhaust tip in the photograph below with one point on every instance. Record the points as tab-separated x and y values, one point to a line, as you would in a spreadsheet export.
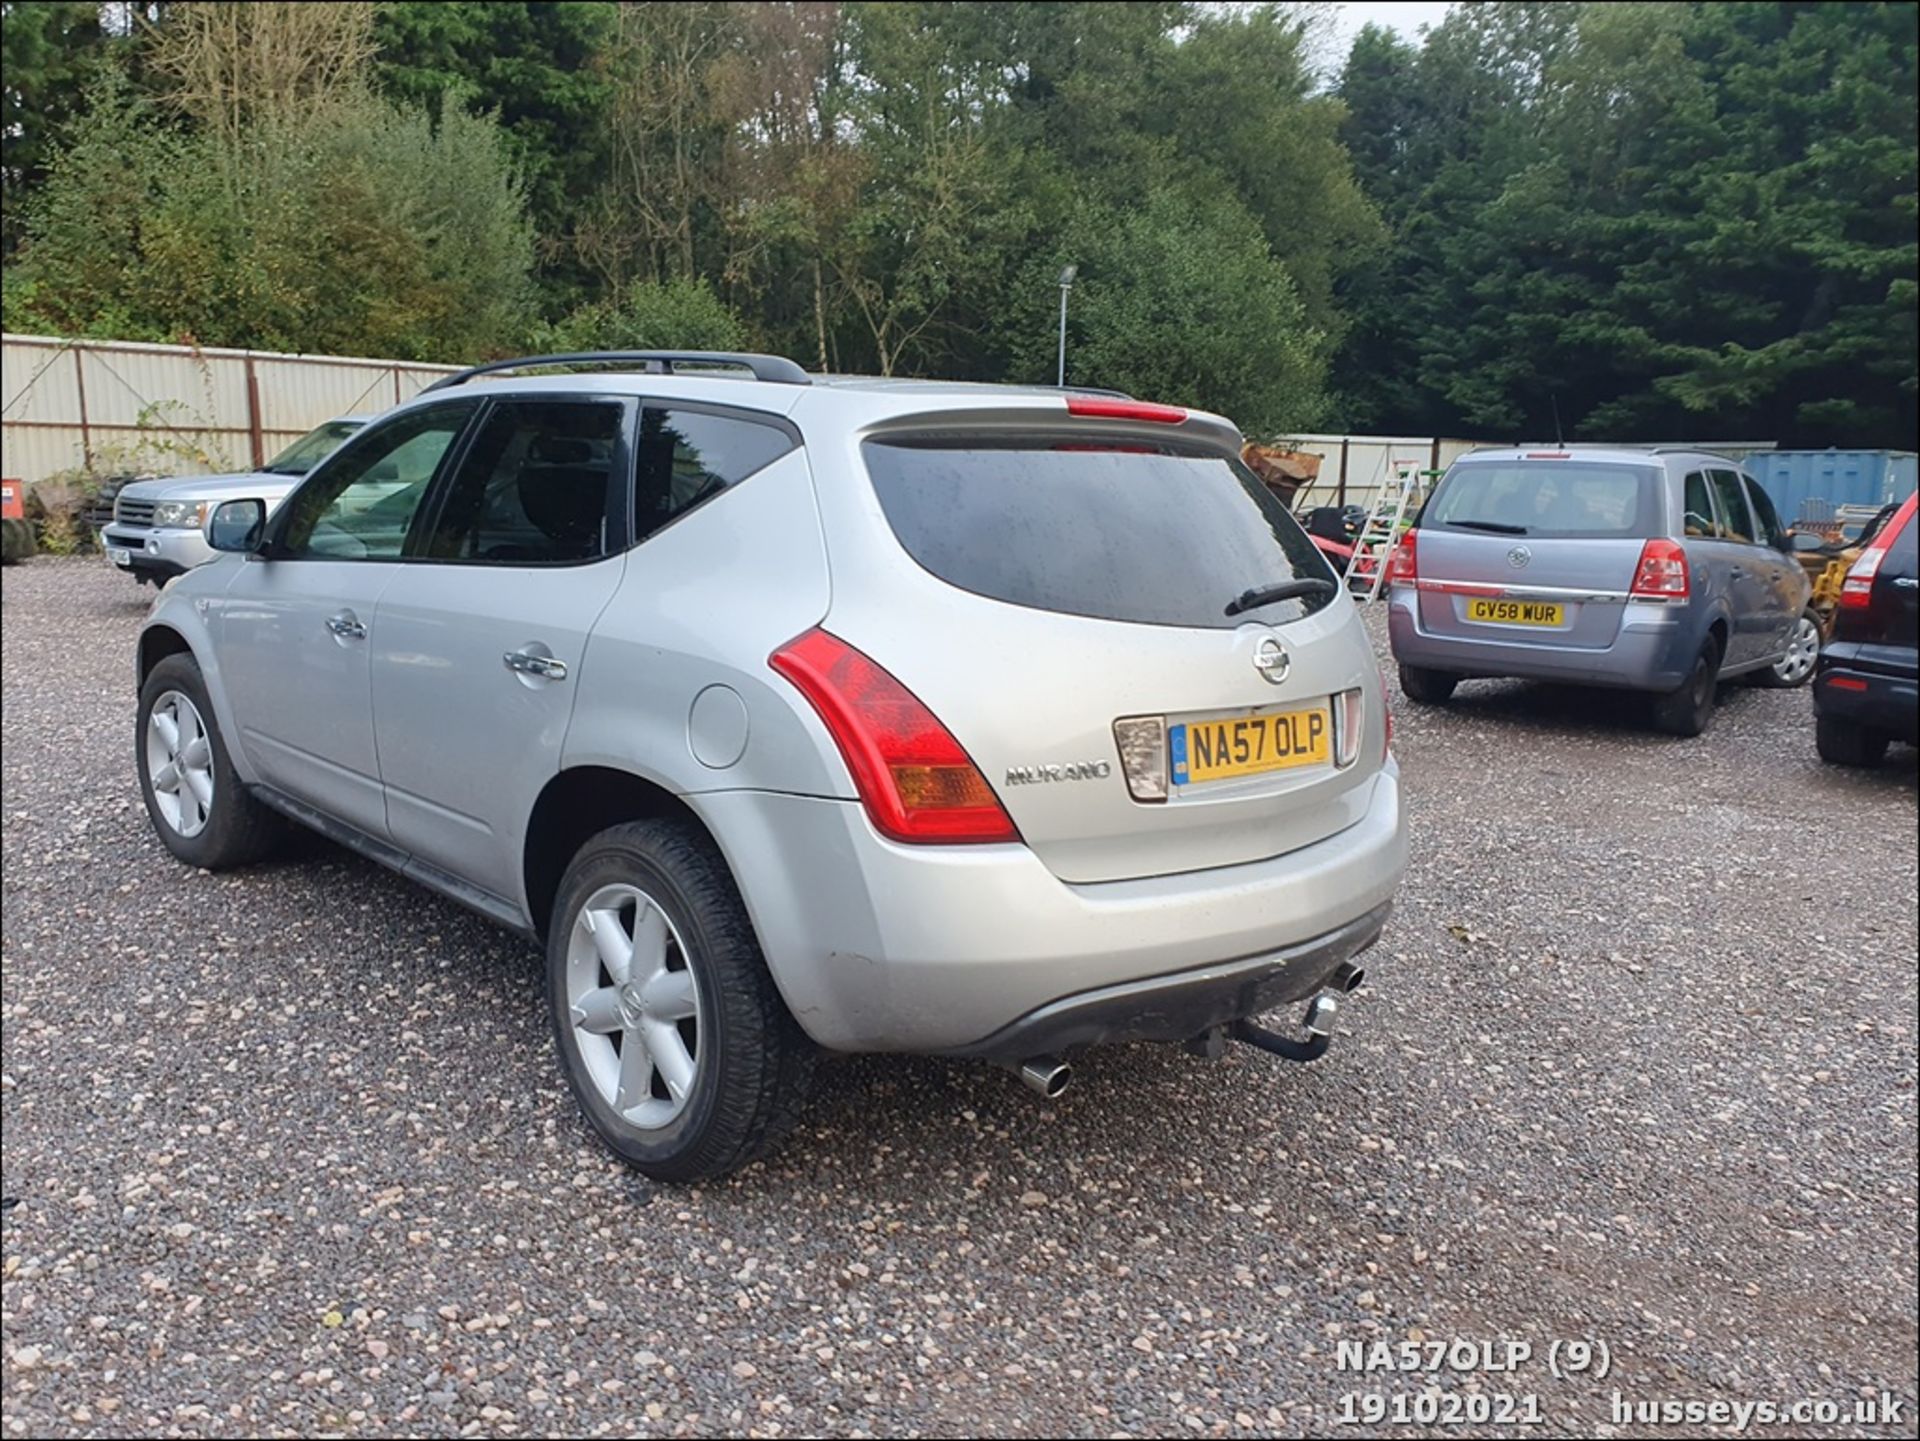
1349	977
1047	1076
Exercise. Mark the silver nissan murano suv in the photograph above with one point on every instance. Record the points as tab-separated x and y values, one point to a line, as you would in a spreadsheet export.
795	713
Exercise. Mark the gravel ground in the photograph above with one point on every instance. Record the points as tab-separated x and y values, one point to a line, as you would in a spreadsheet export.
287	1151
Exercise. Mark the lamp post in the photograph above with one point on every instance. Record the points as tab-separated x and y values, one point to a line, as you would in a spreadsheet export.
1066	284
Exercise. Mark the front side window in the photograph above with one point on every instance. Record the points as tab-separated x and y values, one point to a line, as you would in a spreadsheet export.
1700	522
1735	522
535	486
360	504
1764	515
1153	534
688	456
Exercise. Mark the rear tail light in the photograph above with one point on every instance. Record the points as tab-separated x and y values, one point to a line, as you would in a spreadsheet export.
1100	407
1403	566
1856	591
1662	574
1349	720
1845	682
914	778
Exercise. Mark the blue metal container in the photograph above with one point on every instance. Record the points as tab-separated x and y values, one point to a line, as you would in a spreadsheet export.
1836	477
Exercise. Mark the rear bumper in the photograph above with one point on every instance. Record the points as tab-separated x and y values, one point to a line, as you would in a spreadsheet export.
981	950
1182	1005
1868	697
157	554
1654	650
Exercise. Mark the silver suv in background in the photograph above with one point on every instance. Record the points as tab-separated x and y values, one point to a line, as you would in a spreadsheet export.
792	712
158	528
1664	571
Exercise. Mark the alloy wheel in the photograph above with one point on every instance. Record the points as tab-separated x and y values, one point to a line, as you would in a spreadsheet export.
1802	651
634	1004
179	757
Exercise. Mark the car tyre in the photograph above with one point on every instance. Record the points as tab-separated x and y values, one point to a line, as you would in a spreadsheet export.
1689	710
1844	742
201	809
1795	668
1427	687
722	1070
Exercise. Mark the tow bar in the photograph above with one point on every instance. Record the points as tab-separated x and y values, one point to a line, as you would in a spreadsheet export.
1318	1023
1319	1027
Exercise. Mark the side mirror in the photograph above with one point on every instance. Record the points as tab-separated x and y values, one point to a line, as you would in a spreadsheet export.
237	525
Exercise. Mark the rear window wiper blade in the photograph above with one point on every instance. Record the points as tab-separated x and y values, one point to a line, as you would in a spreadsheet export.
1284	590
1498	527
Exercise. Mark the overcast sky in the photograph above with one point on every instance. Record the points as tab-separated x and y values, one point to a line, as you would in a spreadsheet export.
1406	17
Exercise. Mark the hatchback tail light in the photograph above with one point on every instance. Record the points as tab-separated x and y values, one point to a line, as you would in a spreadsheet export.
1856	591
914	778
1662	573
1403	565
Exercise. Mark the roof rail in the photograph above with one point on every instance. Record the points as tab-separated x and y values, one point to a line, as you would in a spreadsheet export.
775	368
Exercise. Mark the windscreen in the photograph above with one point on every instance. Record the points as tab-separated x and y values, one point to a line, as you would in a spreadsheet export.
1565	498
1151	534
312	448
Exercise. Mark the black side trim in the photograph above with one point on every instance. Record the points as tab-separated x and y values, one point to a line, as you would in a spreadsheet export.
1181	1005
495	908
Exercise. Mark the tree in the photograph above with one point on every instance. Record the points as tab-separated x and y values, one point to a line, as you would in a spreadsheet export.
541	68
1179	299
1661	221
677	315
354	228
263	63
50	52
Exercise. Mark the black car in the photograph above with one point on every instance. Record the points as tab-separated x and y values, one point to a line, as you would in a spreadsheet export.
1866	689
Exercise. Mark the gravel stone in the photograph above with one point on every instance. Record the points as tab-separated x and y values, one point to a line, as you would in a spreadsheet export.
1635	1061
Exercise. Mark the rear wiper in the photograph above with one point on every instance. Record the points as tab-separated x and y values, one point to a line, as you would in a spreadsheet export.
1284	590
1498	527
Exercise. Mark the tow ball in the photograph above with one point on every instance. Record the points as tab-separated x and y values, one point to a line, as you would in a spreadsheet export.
1317	1023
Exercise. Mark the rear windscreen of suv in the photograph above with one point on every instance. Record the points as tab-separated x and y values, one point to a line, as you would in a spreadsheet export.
1568	499
1151	534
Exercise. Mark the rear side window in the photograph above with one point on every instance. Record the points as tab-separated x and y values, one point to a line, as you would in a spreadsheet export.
688	456
534	487
1903	551
1569	499
1699	521
1149	534
1735	522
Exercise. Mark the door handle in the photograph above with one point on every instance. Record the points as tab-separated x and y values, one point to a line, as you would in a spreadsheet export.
1737	573
347	626
527	663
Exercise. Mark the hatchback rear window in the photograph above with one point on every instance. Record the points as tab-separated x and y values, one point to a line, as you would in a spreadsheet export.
1153	534
1569	499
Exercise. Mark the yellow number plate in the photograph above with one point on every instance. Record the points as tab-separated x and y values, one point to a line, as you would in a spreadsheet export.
1516	612
1217	750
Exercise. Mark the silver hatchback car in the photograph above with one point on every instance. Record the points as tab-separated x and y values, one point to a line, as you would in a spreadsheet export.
1655	570
794	713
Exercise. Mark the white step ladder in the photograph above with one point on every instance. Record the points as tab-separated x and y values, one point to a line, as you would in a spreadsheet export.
1366	569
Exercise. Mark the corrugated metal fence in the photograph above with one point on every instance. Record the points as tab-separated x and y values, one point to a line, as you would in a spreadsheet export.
122	405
